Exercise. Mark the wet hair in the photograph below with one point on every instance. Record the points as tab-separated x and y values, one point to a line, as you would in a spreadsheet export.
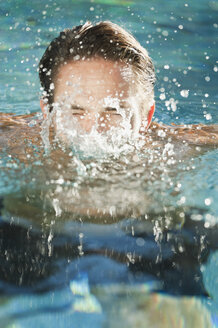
105	40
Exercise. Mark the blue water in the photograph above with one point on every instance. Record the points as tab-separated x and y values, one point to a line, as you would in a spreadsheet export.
59	271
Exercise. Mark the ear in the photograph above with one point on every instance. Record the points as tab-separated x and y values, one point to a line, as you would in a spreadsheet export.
42	105
150	115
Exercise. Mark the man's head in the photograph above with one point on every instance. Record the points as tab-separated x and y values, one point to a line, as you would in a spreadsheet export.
98	73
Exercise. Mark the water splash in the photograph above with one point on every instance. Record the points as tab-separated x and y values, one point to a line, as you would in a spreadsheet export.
113	141
45	129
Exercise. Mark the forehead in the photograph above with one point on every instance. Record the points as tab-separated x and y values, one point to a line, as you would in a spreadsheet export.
95	78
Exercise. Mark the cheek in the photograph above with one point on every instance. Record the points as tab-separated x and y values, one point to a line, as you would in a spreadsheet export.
65	120
107	120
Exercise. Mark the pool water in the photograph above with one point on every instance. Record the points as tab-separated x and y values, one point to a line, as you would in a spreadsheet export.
114	240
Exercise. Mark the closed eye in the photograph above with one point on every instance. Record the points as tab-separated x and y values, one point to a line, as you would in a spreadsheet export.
112	110
77	110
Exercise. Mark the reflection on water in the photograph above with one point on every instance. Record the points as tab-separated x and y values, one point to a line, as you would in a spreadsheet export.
132	257
129	251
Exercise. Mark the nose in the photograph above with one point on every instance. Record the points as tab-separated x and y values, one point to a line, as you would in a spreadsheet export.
88	121
101	122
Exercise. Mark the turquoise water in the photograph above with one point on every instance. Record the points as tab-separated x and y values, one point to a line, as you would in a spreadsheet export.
138	268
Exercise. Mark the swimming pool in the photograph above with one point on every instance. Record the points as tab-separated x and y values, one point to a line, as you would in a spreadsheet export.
153	260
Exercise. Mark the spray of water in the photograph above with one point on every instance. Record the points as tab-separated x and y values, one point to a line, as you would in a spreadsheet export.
115	140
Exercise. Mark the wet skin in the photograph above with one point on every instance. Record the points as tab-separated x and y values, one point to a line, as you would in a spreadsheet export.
96	93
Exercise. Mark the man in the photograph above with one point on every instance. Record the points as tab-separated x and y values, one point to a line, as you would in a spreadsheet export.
99	77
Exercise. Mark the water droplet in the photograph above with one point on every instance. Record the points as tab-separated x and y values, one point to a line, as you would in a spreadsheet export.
165	33
208	116
184	93
52	86
208	201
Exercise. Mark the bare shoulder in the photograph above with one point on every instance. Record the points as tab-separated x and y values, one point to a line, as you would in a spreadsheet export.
10	119
196	134
16	129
